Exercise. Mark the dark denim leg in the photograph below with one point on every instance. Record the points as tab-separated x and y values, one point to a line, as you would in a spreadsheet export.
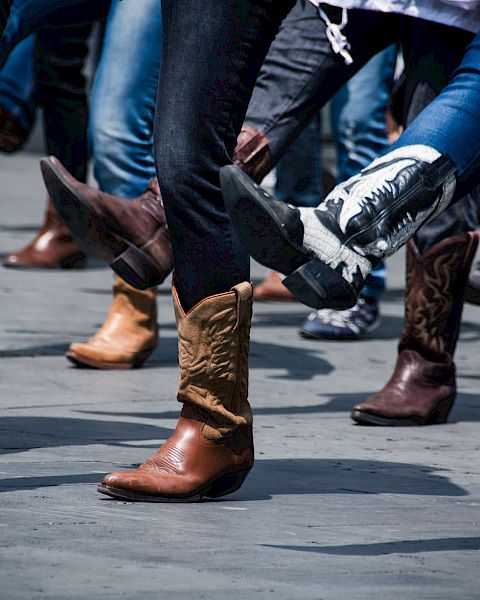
212	53
432	52
60	91
301	72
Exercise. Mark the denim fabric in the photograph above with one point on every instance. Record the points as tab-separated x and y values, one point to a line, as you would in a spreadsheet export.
61	92
29	16
451	123
212	53
16	92
299	172
123	99
358	114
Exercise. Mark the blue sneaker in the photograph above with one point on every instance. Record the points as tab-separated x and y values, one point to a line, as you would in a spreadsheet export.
349	324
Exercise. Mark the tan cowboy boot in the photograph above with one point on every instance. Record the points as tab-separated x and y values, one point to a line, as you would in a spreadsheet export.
127	337
211	451
53	247
422	388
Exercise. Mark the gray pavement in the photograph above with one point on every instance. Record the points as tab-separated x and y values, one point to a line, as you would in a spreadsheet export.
330	511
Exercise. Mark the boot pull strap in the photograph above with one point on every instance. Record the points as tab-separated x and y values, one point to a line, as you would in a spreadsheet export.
244	292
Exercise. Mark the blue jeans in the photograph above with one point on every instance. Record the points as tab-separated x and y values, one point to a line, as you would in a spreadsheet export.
123	98
16	92
451	123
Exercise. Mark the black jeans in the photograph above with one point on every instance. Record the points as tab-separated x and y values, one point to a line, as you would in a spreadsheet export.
212	53
301	73
60	91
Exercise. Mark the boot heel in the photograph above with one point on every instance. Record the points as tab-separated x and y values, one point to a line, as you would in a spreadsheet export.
440	414
136	268
75	261
319	286
226	485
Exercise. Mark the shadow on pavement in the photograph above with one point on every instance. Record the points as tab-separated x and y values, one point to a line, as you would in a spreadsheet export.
466	408
401	547
19	434
299	476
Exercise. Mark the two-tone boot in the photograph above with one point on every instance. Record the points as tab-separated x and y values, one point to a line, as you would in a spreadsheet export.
127	337
327	252
131	234
52	248
422	388
211	451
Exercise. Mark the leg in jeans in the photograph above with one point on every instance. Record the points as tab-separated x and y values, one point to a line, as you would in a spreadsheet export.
123	98
59	90
301	73
17	106
200	110
121	131
451	123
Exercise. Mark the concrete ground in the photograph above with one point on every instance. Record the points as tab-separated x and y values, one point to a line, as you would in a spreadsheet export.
331	510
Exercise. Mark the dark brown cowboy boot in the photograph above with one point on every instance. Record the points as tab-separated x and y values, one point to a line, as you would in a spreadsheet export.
211	451
422	388
52	247
132	234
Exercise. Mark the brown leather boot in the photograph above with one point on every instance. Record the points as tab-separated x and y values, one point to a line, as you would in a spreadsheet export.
272	289
53	247
133	234
422	388
252	153
12	136
211	451
128	336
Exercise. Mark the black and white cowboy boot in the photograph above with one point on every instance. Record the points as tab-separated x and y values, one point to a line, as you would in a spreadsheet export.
328	251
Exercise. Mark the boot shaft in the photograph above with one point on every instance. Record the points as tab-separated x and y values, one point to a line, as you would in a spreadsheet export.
436	284
213	354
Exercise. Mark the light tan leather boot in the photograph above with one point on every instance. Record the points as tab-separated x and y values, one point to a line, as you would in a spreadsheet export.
128	336
211	451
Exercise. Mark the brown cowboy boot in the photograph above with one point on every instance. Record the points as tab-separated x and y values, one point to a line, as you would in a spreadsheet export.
133	234
211	451
127	337
422	388
53	247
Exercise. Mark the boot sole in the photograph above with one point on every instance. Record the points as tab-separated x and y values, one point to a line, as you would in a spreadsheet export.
87	363
311	281
130	262
224	484
75	261
437	417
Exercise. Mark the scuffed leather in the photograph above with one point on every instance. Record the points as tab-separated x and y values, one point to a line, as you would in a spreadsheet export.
252	153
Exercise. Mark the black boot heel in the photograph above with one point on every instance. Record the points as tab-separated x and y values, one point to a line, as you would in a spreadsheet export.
227	484
136	268
319	286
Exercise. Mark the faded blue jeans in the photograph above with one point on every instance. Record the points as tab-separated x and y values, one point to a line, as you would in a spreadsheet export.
17	84
123	98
